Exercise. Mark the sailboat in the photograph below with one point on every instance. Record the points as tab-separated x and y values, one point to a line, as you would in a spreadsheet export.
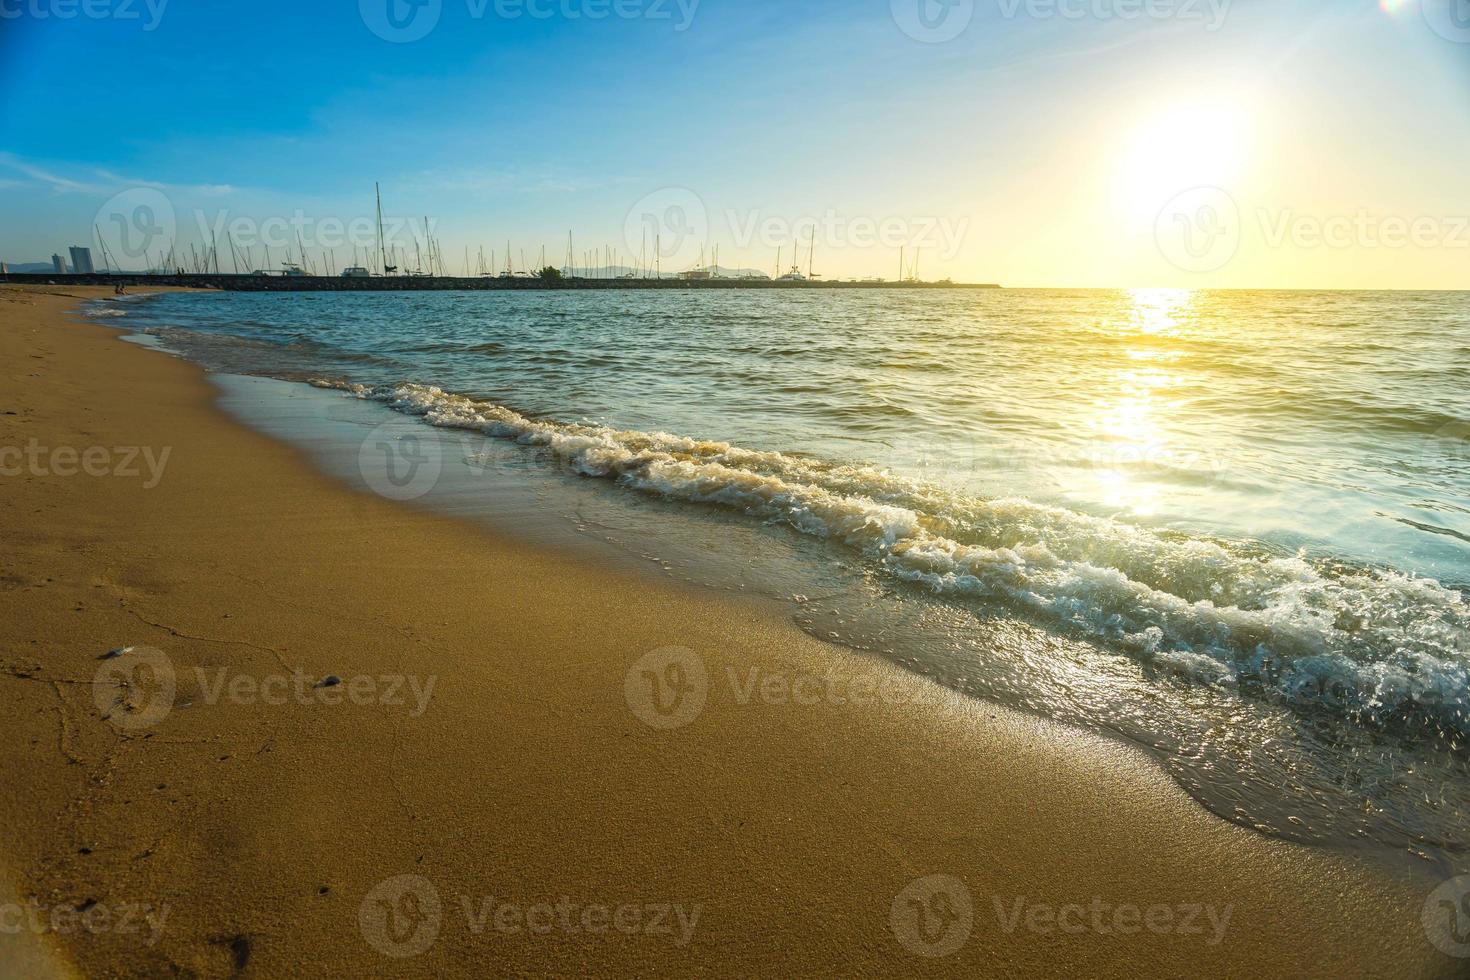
382	252
795	275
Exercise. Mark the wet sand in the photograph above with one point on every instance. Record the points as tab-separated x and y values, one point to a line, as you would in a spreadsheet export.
504	779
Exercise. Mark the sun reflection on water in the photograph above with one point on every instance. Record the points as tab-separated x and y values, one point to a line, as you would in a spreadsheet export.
1158	311
1129	431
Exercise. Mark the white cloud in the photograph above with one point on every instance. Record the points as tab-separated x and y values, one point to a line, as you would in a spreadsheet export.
95	180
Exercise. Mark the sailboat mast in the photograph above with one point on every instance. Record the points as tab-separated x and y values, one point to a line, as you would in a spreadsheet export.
429	244
382	255
106	256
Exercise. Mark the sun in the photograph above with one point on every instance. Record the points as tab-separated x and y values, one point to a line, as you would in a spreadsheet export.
1178	148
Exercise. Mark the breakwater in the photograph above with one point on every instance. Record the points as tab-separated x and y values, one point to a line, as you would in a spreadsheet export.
298	284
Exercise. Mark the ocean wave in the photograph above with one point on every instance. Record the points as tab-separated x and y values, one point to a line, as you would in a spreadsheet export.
1367	642
232	352
487	347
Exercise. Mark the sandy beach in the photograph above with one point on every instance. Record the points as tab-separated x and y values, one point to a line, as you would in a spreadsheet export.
346	737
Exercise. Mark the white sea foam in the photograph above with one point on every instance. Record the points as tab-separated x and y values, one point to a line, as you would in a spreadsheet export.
1362	640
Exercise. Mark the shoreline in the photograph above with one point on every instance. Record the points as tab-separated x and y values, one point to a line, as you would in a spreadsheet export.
799	831
715	552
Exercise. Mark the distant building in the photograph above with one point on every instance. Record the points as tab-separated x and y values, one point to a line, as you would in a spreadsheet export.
58	264
81	260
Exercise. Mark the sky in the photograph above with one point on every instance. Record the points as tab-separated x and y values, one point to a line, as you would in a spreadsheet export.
1067	143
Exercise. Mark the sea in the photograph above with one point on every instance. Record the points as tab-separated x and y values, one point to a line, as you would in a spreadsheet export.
1231	529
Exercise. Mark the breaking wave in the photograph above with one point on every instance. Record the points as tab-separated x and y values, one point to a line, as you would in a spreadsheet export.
1371	643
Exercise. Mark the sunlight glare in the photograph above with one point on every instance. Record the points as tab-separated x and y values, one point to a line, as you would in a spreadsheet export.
1194	145
1158	312
1130	430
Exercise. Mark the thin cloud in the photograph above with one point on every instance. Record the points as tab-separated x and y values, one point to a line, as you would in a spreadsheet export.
97	181
55	182
203	190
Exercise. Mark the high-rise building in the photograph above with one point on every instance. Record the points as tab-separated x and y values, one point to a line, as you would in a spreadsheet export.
81	259
58	264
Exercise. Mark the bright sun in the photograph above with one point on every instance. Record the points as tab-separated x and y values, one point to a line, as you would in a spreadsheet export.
1183	147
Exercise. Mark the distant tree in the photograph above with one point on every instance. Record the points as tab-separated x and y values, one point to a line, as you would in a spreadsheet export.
551	273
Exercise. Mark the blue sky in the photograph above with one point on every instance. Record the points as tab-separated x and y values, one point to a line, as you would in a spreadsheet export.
991	149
